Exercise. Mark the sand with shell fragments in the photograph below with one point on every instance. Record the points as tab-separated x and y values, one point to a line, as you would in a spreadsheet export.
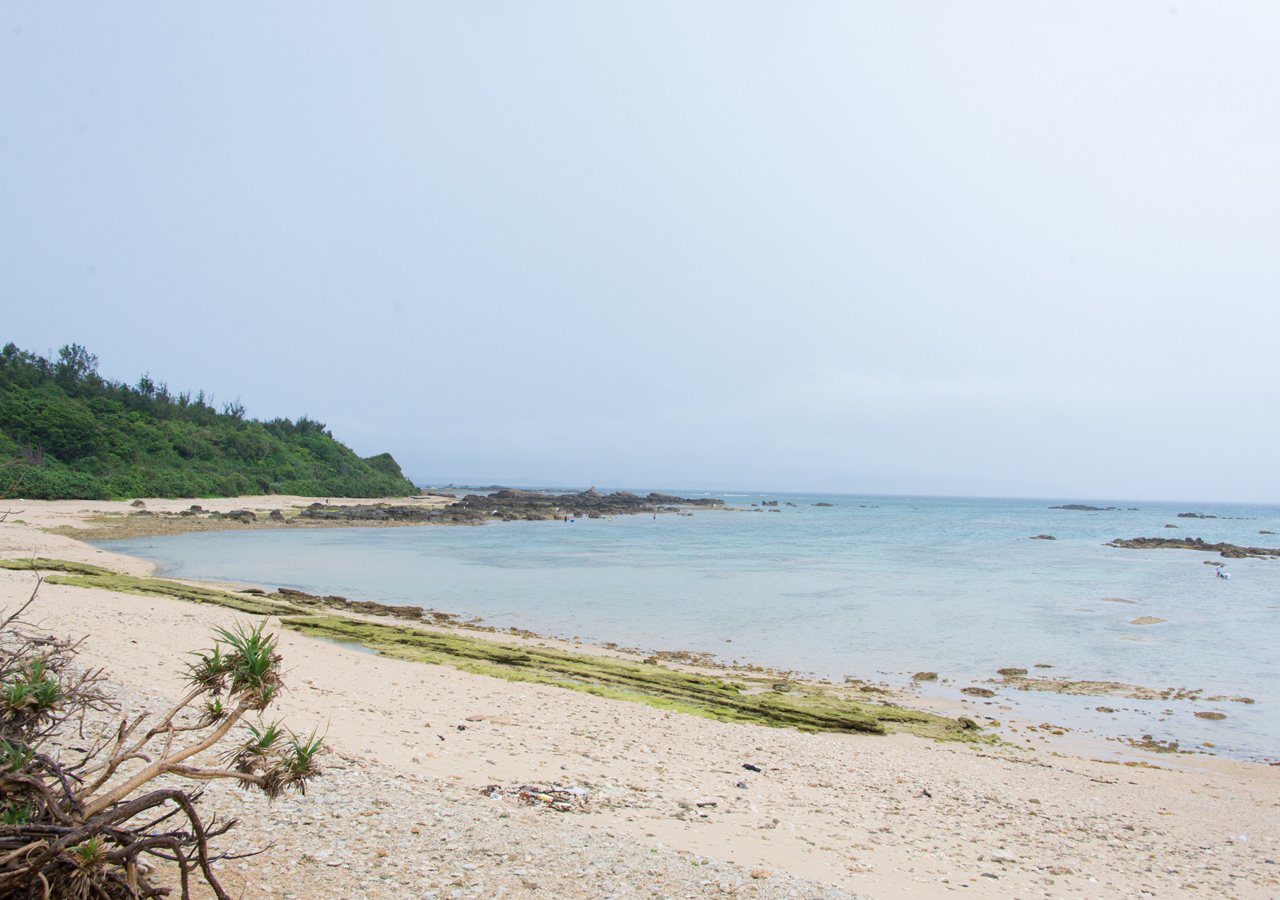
667	808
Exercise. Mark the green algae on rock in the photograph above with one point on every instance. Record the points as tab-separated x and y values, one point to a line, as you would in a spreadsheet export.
53	565
813	709
129	584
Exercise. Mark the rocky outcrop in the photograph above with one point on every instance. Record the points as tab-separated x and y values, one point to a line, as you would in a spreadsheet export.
1082	508
377	513
1230	551
511	504
360	606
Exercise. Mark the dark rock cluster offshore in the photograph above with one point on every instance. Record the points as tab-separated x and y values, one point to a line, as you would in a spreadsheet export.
510	504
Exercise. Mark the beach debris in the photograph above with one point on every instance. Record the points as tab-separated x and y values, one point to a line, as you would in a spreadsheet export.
925	676
1011	671
549	796
462	727
741	785
760	873
750	768
924	792
978	692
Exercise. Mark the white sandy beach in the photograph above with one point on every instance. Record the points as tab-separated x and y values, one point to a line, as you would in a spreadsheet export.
882	816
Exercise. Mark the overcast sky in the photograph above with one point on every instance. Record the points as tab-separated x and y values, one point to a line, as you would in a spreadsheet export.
961	248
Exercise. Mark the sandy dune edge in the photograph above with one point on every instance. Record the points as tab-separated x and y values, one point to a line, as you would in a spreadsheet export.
843	812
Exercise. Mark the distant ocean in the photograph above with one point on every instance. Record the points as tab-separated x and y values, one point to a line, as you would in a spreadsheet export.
869	587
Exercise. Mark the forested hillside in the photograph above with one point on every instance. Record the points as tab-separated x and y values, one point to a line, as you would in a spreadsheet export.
67	433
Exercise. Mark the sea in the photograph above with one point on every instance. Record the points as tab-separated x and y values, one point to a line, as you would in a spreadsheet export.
868	587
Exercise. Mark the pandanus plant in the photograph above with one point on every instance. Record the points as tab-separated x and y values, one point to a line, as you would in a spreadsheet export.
92	821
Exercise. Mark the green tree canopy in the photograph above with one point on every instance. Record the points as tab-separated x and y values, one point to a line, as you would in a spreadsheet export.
68	433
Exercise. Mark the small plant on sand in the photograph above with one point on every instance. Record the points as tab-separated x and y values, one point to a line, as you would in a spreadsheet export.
92	821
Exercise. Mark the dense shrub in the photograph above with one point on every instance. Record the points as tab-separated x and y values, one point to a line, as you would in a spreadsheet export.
92	822
73	435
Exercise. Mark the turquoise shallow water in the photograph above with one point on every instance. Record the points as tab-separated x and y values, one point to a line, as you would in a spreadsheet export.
872	587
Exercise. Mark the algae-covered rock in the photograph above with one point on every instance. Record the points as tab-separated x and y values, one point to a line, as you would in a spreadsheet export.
54	565
128	584
1215	716
806	706
1011	672
978	692
925	676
